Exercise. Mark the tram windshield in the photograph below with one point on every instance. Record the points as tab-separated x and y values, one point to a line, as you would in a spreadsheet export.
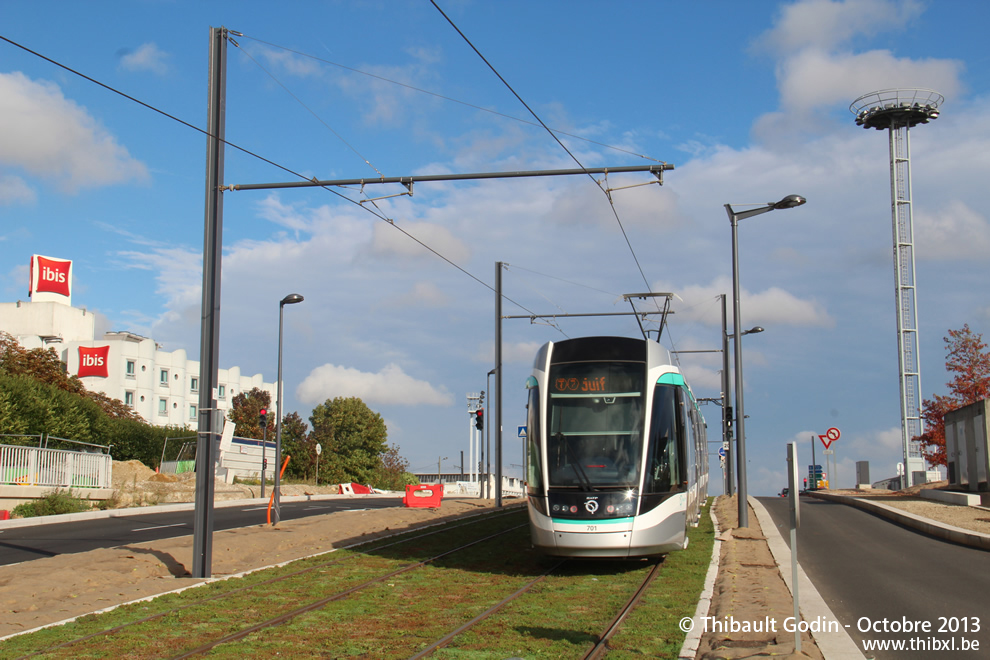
595	424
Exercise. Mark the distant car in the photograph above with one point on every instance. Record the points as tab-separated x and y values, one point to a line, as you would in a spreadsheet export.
784	492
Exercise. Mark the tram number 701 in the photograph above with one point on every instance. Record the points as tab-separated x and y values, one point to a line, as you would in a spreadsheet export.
591	528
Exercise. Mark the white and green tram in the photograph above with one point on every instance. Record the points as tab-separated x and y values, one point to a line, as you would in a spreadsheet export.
617	452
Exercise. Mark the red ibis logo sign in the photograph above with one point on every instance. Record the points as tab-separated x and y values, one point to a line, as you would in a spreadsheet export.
50	276
93	361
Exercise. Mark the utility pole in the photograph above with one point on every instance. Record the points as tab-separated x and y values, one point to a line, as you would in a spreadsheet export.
209	345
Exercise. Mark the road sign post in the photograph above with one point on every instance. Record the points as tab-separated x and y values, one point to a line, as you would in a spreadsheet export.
795	504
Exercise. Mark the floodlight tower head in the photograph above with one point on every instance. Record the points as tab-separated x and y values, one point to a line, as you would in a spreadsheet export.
896	108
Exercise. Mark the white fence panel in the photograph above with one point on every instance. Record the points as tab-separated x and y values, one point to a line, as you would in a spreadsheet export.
33	466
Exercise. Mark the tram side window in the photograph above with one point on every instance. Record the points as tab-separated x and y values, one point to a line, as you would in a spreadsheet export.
690	437
534	472
664	455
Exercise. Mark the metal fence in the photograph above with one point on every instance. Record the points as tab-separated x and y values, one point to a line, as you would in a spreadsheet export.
34	466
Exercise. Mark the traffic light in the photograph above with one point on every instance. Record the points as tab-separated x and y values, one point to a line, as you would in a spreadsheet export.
479	418
262	416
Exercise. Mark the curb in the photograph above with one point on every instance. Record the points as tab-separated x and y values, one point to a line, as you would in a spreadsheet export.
918	523
692	641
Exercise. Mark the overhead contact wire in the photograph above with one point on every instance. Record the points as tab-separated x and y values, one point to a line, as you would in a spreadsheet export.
556	139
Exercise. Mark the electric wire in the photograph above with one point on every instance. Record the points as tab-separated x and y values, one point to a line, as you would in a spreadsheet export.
307	108
167	115
253	155
556	139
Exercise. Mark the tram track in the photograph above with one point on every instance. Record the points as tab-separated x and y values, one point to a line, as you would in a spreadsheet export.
468	587
376	546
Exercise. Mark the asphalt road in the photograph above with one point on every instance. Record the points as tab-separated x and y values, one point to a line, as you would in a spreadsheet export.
19	544
886	582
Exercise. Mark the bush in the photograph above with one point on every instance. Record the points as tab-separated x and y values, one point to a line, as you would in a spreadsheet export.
54	503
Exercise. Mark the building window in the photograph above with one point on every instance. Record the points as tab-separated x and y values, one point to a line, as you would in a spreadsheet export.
162	406
221	392
129	398
194	385
192	412
164	377
130	368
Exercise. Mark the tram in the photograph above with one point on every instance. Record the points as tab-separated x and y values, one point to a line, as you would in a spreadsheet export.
617	452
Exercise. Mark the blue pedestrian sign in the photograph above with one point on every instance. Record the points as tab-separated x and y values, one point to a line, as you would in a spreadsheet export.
521	431
721	452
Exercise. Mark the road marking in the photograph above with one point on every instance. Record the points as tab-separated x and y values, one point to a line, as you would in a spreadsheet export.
145	529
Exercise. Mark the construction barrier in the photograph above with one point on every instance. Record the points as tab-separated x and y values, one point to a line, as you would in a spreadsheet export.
354	489
423	495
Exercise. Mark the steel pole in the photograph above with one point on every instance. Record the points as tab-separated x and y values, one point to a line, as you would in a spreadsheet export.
209	343
742	490
278	424
726	407
497	417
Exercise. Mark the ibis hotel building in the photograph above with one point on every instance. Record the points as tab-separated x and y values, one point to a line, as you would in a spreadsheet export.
161	386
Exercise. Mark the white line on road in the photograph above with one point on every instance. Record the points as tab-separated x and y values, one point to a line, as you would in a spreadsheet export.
145	529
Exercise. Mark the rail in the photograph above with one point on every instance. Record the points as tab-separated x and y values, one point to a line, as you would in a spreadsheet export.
35	466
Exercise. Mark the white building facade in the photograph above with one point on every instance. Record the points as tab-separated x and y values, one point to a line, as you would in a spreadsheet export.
161	386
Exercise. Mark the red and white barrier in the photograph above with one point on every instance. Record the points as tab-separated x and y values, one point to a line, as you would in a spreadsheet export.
423	495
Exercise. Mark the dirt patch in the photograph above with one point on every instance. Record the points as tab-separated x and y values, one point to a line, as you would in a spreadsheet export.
749	589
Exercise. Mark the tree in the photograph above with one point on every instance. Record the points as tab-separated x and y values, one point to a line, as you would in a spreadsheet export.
45	366
297	444
245	412
393	471
353	438
966	357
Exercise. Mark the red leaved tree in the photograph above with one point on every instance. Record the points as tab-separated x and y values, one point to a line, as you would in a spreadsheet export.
966	357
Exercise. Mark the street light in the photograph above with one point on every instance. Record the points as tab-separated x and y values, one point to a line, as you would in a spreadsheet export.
290	299
788	202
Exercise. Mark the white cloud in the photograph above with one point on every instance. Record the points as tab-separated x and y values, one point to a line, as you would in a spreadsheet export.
291	63
147	57
52	137
390	241
771	306
423	295
827	24
391	385
15	190
955	232
512	352
815	79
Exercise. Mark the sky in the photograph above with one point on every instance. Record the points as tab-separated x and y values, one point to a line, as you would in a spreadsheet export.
748	101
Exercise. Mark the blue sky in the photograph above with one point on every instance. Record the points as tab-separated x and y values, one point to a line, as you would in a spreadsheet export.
749	101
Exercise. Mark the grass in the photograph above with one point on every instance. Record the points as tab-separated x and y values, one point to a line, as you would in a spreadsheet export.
403	614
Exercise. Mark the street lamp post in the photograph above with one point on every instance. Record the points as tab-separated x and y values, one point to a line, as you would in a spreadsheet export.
734	217
726	408
288	300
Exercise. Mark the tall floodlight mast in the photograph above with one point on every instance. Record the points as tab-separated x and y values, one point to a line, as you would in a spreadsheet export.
897	110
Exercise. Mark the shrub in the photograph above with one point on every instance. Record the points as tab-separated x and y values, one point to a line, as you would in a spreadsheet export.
54	503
